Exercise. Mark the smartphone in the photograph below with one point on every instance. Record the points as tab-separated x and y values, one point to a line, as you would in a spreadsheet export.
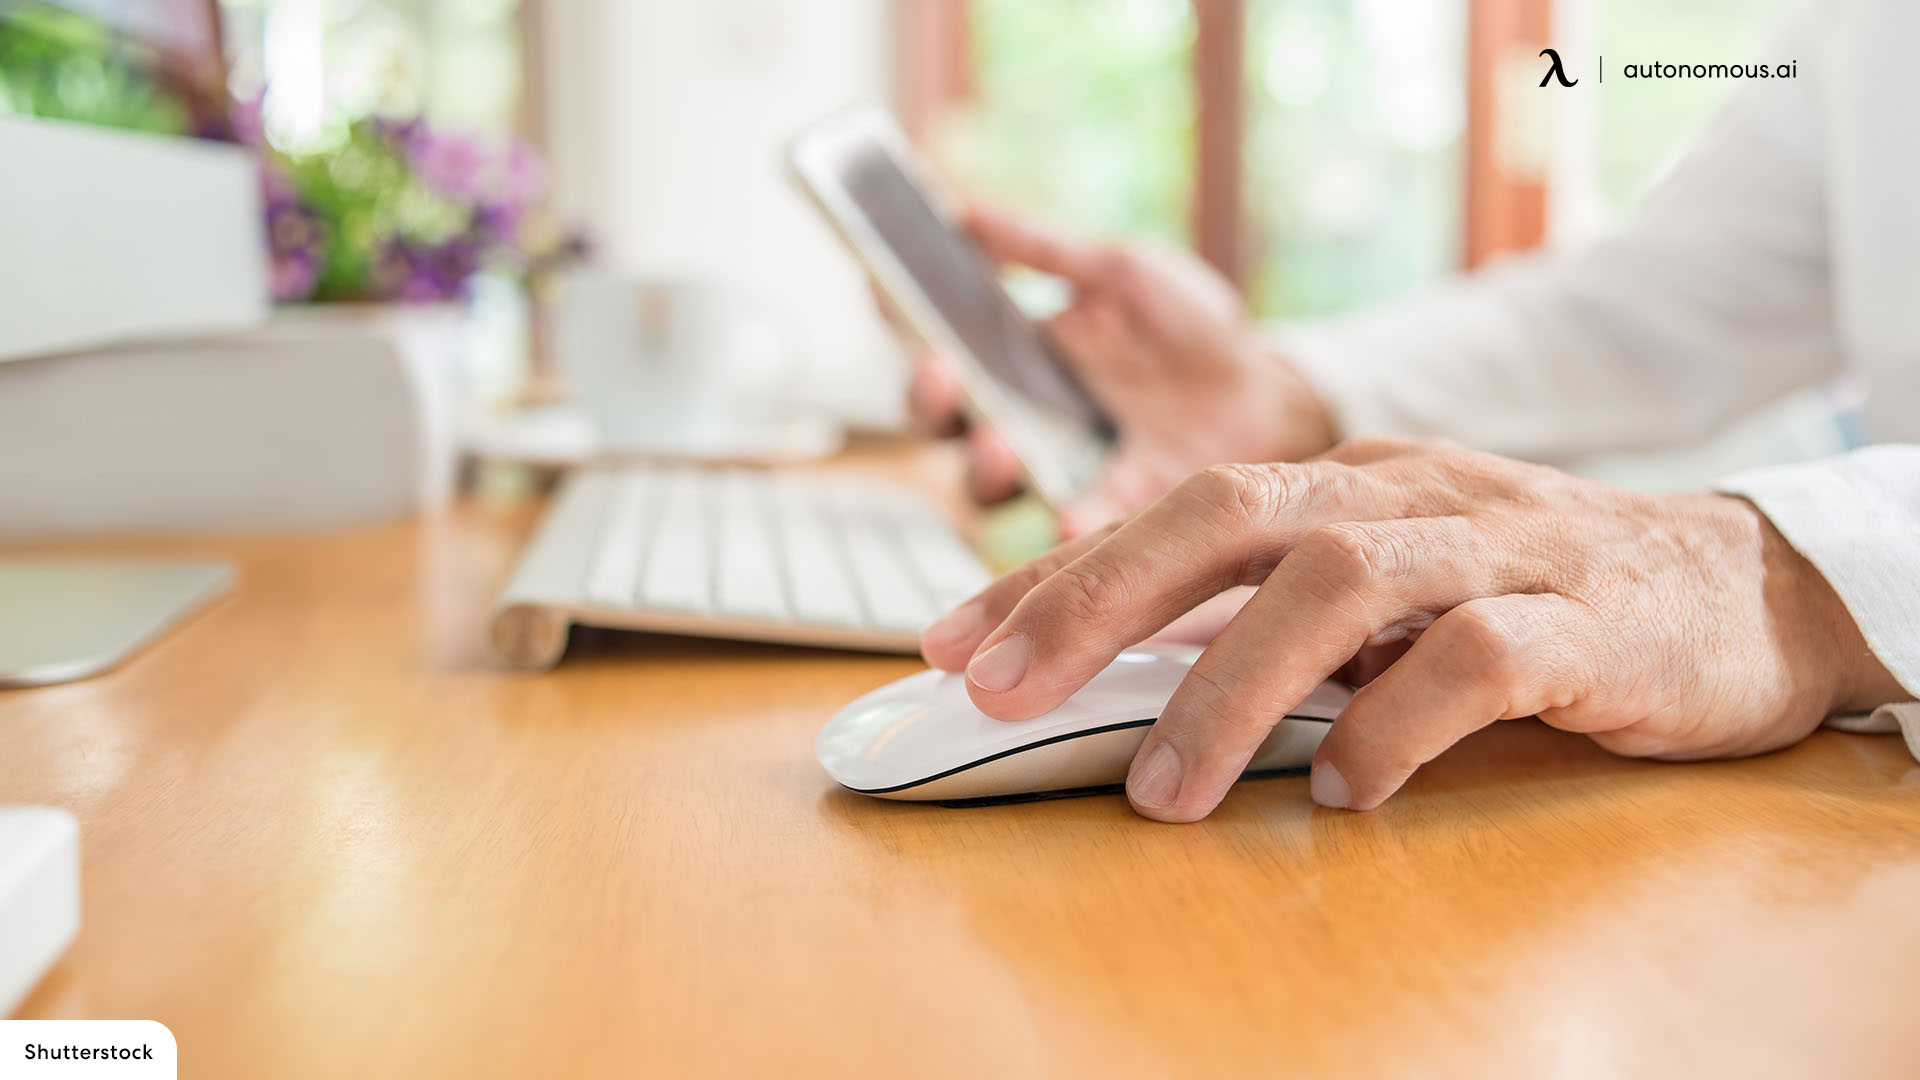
900	222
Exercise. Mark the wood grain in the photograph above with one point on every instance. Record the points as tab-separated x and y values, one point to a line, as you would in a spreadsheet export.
324	836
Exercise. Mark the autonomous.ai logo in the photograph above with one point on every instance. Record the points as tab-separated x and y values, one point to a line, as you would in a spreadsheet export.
1555	71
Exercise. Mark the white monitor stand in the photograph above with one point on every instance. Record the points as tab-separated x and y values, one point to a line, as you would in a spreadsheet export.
67	619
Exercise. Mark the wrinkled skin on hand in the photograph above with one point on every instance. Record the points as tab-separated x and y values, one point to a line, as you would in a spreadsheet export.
1472	587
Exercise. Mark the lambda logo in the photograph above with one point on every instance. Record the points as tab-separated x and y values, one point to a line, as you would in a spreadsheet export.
1555	71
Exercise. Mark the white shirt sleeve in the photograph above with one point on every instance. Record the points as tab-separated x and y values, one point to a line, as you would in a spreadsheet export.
1711	301
1856	518
1715	298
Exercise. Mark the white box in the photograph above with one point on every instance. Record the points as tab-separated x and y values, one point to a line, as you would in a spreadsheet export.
39	896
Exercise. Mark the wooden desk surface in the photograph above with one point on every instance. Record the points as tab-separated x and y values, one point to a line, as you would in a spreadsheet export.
324	838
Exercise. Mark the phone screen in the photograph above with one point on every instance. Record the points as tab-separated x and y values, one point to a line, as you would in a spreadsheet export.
948	288
956	277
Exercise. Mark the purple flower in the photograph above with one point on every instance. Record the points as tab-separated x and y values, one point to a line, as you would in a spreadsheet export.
340	234
246	117
403	135
393	268
522	178
424	288
291	229
294	276
277	189
498	222
450	164
418	274
451	265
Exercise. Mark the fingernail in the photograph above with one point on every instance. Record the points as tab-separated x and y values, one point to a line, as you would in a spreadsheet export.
1328	787
1003	666
1155	780
956	625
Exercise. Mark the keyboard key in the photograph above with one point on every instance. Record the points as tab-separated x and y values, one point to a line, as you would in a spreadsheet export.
752	546
615	577
817	582
946	568
889	590
749	578
678	567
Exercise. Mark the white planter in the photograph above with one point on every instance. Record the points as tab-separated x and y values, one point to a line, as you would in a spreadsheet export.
326	416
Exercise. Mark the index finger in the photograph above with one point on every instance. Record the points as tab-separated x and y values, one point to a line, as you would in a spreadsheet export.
1345	587
1224	527
1015	238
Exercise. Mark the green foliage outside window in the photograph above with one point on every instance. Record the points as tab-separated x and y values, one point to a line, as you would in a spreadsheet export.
60	66
1644	124
1356	118
1082	112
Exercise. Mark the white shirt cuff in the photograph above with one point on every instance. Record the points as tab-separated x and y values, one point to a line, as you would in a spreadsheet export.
1886	720
1856	518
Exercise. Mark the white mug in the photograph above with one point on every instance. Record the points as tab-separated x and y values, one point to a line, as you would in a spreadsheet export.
672	366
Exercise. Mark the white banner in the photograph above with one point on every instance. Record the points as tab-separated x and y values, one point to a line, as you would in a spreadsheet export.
87	1050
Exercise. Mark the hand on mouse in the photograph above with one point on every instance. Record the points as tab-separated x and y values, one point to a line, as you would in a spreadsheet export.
1670	626
1162	342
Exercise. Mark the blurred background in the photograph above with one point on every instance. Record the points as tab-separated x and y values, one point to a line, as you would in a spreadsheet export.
1323	153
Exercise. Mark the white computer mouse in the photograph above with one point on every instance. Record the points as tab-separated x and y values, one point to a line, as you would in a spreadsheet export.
921	738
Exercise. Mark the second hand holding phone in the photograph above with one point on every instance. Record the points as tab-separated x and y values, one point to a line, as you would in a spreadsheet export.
888	208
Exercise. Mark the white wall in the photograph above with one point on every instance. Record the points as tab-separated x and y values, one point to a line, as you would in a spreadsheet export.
666	121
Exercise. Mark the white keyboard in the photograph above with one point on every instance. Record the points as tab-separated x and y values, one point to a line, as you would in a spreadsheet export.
734	553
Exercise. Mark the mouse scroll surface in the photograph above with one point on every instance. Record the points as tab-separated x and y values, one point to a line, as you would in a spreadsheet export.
922	738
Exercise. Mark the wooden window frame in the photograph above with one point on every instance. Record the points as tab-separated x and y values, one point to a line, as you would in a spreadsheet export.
933	61
1503	211
1506	210
1221	225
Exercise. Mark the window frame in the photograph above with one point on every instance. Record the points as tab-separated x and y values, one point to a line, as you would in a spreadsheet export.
1504	210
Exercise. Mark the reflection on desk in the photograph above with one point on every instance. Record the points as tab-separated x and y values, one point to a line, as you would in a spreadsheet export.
324	837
